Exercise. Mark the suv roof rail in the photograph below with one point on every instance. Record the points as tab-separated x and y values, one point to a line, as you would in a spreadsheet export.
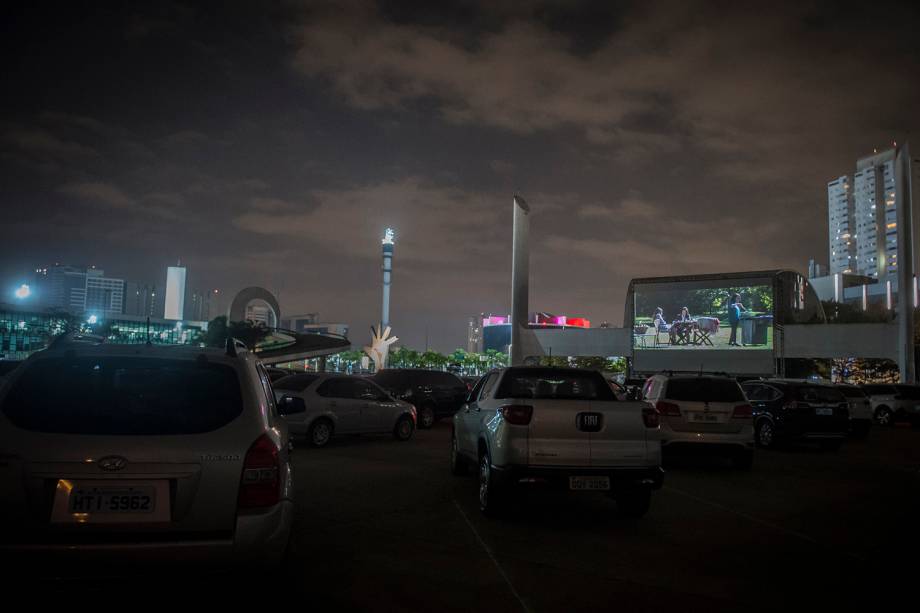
235	346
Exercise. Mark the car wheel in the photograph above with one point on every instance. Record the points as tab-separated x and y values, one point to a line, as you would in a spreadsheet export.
765	434
744	459
490	494
320	433
457	462
884	416
426	417
404	428
633	504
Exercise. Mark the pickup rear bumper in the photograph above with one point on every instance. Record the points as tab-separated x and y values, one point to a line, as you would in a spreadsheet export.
558	476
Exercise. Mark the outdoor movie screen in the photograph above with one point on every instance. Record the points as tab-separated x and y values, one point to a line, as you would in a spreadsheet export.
695	315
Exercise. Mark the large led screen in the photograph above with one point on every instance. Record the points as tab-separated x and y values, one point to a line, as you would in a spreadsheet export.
694	315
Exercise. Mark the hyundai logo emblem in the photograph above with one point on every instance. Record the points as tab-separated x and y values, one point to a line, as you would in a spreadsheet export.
112	463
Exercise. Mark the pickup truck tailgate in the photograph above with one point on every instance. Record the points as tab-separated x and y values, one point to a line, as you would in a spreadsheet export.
554	438
616	434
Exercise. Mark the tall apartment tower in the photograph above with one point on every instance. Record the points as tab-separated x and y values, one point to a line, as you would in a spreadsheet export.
839	216
876	215
863	217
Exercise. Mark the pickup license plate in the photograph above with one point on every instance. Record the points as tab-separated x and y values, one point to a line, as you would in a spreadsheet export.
589	483
113	502
824	411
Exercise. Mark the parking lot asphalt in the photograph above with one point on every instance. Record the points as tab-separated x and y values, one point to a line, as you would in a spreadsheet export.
383	526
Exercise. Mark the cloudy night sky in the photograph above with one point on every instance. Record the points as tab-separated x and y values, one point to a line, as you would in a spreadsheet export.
271	144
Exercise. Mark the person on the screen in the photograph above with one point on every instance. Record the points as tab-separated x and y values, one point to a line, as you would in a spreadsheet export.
685	315
734	317
659	321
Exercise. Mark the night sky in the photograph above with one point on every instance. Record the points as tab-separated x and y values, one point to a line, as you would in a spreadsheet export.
271	144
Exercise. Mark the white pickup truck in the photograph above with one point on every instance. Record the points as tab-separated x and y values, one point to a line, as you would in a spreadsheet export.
559	427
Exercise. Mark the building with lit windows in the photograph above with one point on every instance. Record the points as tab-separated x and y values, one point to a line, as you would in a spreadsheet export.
839	216
863	217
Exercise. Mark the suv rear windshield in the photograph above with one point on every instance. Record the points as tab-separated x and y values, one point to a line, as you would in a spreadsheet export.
294	383
851	392
704	389
554	384
818	393
123	396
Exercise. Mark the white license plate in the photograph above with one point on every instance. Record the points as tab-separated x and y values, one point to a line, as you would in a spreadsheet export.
589	483
824	411
704	417
141	499
111	502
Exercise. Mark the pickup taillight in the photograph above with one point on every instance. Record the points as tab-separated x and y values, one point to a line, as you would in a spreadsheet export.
261	484
743	411
517	414
667	408
650	417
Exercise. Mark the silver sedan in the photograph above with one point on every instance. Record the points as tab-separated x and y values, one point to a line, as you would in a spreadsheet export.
319	406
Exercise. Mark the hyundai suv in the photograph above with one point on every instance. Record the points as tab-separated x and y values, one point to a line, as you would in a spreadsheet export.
140	453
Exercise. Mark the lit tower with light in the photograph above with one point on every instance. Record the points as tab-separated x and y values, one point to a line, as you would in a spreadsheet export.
387	275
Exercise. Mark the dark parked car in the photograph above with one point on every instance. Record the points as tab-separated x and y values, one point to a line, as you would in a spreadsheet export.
786	410
434	393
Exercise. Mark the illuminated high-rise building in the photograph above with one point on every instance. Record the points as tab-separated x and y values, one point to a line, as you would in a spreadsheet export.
863	217
387	275
175	293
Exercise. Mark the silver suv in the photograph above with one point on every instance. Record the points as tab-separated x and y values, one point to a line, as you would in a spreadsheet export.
556	427
894	402
136	452
703	412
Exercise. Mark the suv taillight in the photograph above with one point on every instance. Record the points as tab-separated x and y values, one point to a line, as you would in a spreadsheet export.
650	417
743	411
261	483
667	408
517	414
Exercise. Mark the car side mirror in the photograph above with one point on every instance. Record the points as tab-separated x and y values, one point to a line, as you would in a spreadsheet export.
289	405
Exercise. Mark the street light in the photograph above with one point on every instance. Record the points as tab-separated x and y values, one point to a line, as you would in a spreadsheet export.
23	291
92	320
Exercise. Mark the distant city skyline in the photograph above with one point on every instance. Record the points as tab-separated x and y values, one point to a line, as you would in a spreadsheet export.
274	147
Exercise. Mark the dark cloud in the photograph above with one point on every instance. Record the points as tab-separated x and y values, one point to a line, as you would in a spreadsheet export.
271	144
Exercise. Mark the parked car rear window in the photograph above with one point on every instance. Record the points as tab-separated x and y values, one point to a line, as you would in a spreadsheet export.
851	392
294	383
704	389
554	384
123	396
818	393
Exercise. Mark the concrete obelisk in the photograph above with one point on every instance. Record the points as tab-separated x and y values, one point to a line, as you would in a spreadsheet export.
520	278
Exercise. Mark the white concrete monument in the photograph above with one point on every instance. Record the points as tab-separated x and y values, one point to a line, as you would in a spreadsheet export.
379	349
